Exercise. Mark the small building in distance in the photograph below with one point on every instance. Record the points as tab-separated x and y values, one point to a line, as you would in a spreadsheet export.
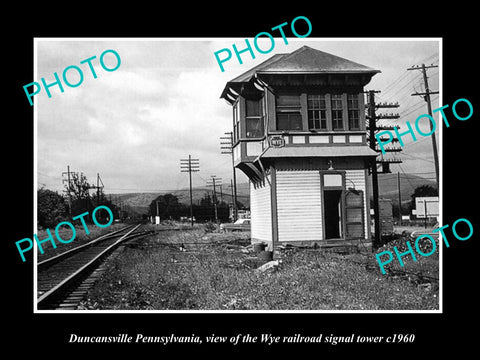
300	136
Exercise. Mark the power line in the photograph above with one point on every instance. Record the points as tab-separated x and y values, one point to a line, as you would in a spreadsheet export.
396	94
394	82
403	171
426	96
419	158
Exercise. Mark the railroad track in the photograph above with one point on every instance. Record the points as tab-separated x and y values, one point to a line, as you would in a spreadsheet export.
63	280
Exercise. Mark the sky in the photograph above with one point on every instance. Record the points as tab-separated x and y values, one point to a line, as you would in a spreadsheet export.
133	125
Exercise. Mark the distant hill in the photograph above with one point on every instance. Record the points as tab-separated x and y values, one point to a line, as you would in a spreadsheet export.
388	186
139	202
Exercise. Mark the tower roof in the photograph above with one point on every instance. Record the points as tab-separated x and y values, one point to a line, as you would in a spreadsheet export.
304	60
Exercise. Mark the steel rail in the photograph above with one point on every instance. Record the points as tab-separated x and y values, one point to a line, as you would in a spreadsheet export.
42	265
54	294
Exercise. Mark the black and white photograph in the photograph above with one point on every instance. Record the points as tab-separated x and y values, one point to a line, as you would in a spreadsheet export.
285	188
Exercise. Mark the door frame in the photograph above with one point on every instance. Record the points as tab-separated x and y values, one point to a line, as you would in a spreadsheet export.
342	201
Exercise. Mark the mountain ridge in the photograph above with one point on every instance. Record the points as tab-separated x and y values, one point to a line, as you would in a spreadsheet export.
138	202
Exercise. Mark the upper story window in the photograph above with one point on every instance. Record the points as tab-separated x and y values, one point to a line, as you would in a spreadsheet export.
254	119
289	116
236	123
317	112
337	111
353	112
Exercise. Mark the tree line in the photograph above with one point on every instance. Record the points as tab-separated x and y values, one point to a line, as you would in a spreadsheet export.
168	206
53	207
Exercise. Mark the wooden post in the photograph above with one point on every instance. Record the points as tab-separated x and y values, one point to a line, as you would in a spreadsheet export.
399	200
372	127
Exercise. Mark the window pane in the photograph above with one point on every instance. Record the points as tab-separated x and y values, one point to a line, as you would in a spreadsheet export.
289	121
282	121
235	121
316	110
354	214
332	180
323	123
296	121
336	101
310	103
316	102
352	100
252	108
354	119
337	119
322	102
254	127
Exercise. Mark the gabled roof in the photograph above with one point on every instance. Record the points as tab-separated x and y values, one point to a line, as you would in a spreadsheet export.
304	60
308	60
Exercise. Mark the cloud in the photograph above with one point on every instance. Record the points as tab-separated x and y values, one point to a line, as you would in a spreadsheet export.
134	124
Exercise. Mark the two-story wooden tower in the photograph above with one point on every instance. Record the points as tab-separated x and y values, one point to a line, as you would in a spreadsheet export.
300	137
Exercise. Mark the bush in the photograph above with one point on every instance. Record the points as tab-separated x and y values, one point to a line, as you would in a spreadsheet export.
51	208
210	227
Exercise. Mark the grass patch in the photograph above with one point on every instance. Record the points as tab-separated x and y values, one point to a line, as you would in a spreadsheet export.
422	269
215	274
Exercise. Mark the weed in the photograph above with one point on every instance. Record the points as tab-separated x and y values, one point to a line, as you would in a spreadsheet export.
214	275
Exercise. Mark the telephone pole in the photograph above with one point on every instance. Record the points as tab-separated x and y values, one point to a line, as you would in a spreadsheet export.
373	128
399	200
190	165
98	188
215	182
426	97
227	148
68	191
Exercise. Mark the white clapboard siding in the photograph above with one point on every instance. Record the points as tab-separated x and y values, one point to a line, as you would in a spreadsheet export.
299	206
358	179
261	212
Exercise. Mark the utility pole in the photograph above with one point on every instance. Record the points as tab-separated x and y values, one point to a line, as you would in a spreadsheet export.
99	180
385	163
233	197
214	182
190	165
68	191
227	148
98	189
158	214
372	127
399	200
426	97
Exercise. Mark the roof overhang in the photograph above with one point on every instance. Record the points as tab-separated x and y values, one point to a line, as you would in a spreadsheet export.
303	61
